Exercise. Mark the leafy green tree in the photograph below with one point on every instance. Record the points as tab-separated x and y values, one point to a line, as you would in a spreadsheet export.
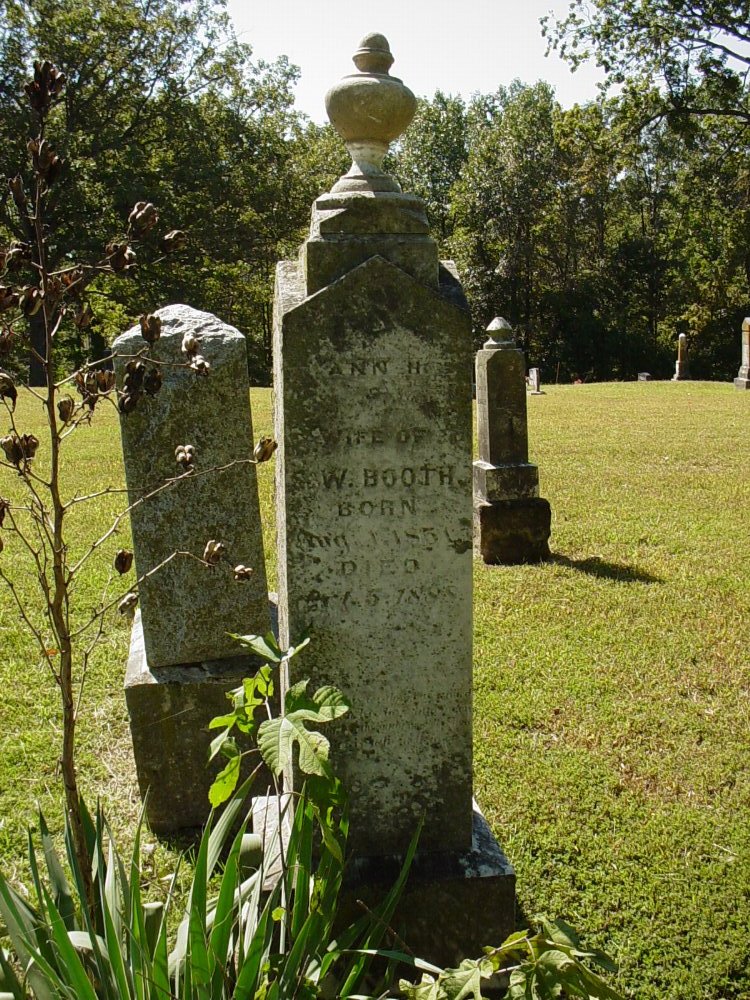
507	182
697	53
430	157
164	104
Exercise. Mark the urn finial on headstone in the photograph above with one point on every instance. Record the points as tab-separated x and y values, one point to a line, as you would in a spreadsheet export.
369	110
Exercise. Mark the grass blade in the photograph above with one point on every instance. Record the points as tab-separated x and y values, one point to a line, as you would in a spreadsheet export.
61	889
70	966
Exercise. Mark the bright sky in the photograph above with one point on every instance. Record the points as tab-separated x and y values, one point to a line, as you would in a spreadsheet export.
459	47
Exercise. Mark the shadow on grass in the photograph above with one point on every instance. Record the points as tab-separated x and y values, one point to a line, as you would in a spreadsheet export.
595	566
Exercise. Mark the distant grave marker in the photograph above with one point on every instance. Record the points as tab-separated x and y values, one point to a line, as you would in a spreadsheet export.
511	521
534	382
682	365
743	375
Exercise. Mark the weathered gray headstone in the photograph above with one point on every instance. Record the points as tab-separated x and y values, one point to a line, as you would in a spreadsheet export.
372	369
182	659
511	521
682	365
743	375
188	609
534	382
644	376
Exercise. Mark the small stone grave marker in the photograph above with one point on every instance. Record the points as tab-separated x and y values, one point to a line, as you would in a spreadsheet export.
511	521
743	375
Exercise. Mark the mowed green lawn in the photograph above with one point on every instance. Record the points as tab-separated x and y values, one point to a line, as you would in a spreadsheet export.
612	695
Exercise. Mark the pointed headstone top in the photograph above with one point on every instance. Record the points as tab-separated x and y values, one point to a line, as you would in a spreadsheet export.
500	334
370	109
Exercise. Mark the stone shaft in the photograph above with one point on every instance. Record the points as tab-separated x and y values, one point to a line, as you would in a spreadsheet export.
373	419
743	375
188	609
501	405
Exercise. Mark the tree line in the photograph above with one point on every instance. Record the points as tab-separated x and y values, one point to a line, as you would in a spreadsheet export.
600	232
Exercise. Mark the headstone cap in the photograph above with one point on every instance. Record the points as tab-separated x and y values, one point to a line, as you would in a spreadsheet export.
501	333
374	54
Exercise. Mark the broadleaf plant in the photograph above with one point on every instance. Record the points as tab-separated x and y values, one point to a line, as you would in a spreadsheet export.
276	735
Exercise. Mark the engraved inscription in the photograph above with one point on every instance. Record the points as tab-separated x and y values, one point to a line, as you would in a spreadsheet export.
383	477
369	366
377	508
377	597
422	475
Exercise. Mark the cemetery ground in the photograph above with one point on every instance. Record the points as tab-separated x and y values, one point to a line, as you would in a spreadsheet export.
612	684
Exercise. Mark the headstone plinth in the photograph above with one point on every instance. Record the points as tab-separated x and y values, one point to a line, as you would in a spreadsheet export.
372	372
743	375
174	687
511	520
169	710
348	229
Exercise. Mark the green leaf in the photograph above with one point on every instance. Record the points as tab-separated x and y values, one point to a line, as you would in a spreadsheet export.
217	836
466	980
217	743
560	932
225	782
220	721
276	739
293	650
264	646
555	970
262	682
521	986
198	960
428	989
277	736
222	916
20	922
326	704
257	689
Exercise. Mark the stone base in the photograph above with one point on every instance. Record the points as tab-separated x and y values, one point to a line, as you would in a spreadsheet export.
169	709
742	383
453	904
512	531
505	482
682	372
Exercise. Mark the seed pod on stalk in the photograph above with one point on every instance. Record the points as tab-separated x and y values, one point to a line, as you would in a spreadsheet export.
123	561
8	389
